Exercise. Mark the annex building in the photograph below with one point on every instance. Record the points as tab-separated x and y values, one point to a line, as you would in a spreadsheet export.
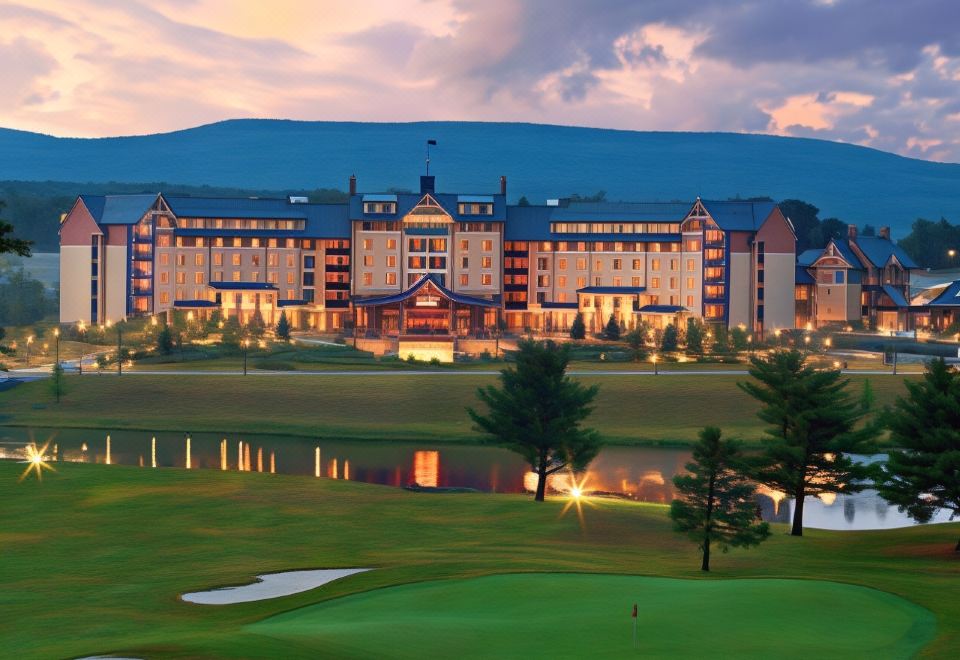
429	262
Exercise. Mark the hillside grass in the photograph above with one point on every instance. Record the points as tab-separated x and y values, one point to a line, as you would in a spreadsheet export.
630	409
94	558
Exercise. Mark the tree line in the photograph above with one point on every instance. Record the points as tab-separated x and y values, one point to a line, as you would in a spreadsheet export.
817	427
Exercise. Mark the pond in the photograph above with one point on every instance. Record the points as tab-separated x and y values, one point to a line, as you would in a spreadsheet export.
640	473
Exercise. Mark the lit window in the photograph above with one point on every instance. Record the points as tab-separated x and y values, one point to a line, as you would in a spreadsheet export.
486	279
391	279
368	279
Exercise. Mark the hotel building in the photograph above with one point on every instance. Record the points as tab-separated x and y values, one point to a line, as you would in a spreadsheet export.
443	265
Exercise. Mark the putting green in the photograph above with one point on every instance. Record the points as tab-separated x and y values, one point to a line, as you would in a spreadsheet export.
579	616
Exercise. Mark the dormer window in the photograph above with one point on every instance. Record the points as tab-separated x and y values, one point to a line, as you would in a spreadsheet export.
476	209
379	207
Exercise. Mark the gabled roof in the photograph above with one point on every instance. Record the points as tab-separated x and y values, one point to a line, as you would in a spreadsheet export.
432	279
807	257
950	296
843	249
879	250
896	295
406	201
738	215
118	209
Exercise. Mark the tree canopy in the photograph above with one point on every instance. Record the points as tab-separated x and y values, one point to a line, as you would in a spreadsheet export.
538	412
923	475
929	243
9	242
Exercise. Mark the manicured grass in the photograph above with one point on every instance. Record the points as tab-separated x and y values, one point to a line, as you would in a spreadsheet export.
581	616
95	556
629	409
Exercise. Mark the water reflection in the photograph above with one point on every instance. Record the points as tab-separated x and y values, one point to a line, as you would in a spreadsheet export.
643	474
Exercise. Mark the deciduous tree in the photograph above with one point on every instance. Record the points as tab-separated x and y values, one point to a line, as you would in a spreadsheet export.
538	412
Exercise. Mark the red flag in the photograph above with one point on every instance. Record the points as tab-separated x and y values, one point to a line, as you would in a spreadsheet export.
634	615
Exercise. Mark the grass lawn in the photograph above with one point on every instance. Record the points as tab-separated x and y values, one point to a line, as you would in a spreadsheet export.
587	616
629	409
94	558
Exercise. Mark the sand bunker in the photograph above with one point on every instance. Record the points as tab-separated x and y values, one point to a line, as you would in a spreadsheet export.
271	585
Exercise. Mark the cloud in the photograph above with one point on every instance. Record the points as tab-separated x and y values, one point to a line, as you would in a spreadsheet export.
840	70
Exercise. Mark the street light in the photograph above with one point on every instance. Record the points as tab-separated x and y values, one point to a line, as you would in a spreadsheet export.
119	346
81	328
246	346
29	342
656	370
56	365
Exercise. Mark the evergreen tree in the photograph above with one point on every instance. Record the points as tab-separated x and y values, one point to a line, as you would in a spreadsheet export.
813	420
636	340
612	330
283	327
537	412
165	340
523	201
695	336
232	333
577	329
715	503
256	327
9	242
738	339
57	381
668	342
924	474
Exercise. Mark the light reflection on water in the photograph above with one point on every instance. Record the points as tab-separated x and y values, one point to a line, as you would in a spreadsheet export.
641	473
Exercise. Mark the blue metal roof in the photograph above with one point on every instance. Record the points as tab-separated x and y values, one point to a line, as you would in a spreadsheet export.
475	199
419	284
896	295
622	212
807	257
738	215
194	303
380	198
118	209
949	297
528	223
843	248
321	220
448	202
624	290
661	309
803	276
243	286
879	250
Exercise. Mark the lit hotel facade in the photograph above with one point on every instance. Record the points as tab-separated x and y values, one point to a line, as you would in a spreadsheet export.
429	263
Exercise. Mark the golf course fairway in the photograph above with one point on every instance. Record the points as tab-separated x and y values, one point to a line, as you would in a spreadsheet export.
579	616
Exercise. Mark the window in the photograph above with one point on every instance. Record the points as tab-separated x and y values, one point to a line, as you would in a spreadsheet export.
562	281
654	264
164	298
438	245
581	264
618	264
391	244
561	264
637	264
464	280
674	265
691	265
368	279
654	282
164	259
305	260
464	262
543	280
255	259
379	207
390	279
273	259
617	281
486	262
235	258
417	244
486	245
542	263
218	259
181	260
598	265
689	302
164	278
838	277
291	294
368	260
581	282
308	279
692	245
255	242
464	244
690	283
198	277
416	262
255	276
391	261
597	281
673	282
635	281
273	278
367	244
198	259
308	262
486	279
181	278
235	276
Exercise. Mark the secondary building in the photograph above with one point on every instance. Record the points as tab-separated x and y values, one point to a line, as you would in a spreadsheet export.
429	264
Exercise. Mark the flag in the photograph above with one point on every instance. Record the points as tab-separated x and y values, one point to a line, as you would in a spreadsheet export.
634	615
432	143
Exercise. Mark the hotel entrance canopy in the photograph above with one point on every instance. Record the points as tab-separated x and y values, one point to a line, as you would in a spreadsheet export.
432	282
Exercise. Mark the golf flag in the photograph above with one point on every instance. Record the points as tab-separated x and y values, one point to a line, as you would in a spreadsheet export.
432	143
634	615
636	637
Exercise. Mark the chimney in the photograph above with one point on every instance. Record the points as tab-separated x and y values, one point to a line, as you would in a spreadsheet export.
353	184
884	233
427	184
503	186
852	232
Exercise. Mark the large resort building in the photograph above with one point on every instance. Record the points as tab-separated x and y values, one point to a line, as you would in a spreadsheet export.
440	267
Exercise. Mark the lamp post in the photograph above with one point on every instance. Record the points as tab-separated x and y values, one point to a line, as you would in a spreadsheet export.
656	370
81	328
29	342
246	346
56	365
119	347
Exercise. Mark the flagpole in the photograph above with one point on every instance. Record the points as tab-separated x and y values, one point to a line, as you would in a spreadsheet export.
636	639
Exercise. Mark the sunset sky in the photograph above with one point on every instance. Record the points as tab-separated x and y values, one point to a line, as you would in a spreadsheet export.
882	74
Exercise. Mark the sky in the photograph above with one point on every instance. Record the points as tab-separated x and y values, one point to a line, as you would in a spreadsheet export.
884	74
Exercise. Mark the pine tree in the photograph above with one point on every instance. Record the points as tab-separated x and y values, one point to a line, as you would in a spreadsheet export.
537	412
813	430
637	342
612	330
695	336
924	474
165	340
715	503
57	381
283	327
668	342
578	330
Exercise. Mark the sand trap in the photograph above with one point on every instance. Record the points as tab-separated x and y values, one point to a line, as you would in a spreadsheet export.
271	585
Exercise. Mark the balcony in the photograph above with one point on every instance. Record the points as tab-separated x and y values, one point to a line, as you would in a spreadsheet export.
338	268
143	256
336	304
516	253
515	271
337	286
515	304
514	287
338	252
